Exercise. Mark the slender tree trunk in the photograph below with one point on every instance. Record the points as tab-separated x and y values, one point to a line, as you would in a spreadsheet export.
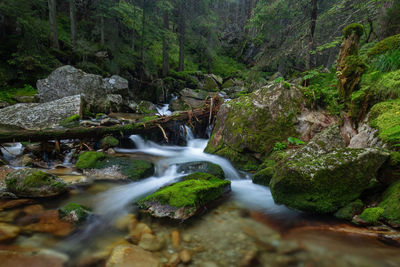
133	29
165	68
72	16
314	14
53	24
102	39
143	30
182	29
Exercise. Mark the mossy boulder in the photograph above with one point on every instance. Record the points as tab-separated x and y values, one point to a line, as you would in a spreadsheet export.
264	175
391	204
146	107
73	212
99	165
372	215
350	210
210	83
324	175
202	166
34	183
108	142
184	199
390	43
248	127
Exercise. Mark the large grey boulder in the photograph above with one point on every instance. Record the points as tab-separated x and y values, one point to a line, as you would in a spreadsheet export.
325	175
35	116
68	81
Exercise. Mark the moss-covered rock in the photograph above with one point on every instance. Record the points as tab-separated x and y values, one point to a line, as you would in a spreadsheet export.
121	167
248	127
109	141
372	215
203	167
210	84
184	199
391	204
324	175
146	107
264	175
390	43
73	212
350	210
34	183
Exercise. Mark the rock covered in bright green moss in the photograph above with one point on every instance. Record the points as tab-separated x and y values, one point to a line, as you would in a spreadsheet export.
372	215
101	166
248	127
391	204
211	82
202	166
109	141
390	43
350	210
73	212
34	183
184	199
324	175
264	175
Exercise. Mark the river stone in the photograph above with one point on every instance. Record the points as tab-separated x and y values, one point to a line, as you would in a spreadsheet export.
34	257
131	256
34	183
184	199
202	166
210	83
36	116
248	127
8	232
324	175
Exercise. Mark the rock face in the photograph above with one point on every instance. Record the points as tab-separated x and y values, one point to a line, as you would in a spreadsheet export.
40	116
324	175
184	199
248	127
34	183
100	94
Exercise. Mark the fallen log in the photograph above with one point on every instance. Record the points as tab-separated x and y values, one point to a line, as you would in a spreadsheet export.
140	127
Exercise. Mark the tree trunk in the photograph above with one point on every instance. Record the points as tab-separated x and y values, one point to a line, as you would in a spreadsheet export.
102	41
133	29
182	29
72	16
53	24
165	68
143	30
314	14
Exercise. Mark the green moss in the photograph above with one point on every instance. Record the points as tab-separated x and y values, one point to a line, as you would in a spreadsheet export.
9	94
390	43
264	176
350	210
391	204
203	167
149	118
196	190
79	211
109	141
372	215
70	122
38	179
356	28
89	159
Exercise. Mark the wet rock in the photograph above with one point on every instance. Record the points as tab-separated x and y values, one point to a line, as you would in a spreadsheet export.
8	232
151	242
20	257
137	231
109	122
131	256
126	222
175	239
184	199
174	260
185	256
108	142
390	204
264	175
248	127
202	166
146	107
40	116
350	210
34	183
46	222
101	166
87	123
74	213
14	203
324	175
185	103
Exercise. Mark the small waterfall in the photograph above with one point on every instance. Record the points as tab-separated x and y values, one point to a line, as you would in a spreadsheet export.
189	133
163	110
68	157
10	151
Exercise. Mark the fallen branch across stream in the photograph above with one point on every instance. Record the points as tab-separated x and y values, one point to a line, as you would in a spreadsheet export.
100	131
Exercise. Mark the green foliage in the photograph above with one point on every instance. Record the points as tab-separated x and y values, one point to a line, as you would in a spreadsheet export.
226	66
9	94
279	80
391	204
390	43
196	190
356	28
372	215
79	211
109	141
295	141
280	146
389	61
350	210
89	159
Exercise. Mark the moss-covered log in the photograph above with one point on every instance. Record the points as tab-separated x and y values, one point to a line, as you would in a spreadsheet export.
141	127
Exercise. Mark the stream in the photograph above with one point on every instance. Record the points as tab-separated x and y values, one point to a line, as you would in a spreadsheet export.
246	229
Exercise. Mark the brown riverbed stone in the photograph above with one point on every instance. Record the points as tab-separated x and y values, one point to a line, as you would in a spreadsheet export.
136	233
131	256
185	256
14	203
47	222
175	239
8	232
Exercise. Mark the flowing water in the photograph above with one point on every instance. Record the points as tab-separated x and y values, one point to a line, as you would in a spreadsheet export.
247	223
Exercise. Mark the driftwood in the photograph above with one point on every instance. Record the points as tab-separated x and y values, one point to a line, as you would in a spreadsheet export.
100	131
